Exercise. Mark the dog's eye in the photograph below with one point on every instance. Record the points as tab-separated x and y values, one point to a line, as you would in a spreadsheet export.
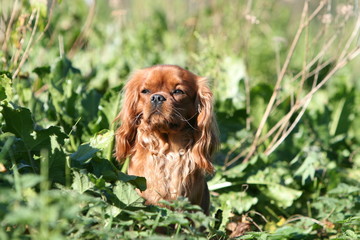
145	91
178	91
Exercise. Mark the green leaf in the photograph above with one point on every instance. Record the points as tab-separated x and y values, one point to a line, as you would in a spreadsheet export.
61	69
138	182
90	105
108	110
126	193
42	71
350	234
81	182
307	168
19	122
27	180
5	88
109	105
267	182
57	159
283	196
41	138
102	139
232	89
104	168
344	189
239	201
84	153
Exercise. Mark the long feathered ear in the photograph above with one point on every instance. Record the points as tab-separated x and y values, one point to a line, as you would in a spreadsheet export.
125	135
206	136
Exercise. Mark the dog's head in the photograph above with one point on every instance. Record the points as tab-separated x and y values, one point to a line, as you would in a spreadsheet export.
169	100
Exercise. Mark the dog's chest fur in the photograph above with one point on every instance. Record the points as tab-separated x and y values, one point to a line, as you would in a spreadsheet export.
168	175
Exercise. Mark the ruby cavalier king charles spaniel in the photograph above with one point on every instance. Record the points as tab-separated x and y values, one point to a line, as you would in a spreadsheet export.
169	132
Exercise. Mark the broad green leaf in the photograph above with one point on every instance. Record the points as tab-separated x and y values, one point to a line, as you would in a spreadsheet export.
232	88
138	182
5	88
27	180
41	138
104	168
42	71
84	153
351	234
61	69
57	160
19	122
114	211
344	189
109	108
109	105
102	139
175	219
239	201
268	182
289	231
126	194
180	204
7	139
283	196
90	105
81	182
308	168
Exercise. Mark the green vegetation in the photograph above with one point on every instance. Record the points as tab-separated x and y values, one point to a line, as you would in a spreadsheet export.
284	76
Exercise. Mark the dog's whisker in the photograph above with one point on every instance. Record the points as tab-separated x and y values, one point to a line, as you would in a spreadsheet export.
182	118
136	119
180	115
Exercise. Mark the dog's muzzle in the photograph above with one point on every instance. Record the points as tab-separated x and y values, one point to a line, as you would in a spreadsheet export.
157	100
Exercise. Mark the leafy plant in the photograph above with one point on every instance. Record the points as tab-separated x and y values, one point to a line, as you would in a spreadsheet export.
285	98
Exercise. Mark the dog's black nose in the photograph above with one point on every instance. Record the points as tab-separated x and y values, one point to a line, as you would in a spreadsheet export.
157	99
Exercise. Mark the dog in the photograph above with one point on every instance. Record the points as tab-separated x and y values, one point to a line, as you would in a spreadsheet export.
169	132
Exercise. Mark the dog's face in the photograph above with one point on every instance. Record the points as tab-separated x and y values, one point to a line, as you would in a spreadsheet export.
167	98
